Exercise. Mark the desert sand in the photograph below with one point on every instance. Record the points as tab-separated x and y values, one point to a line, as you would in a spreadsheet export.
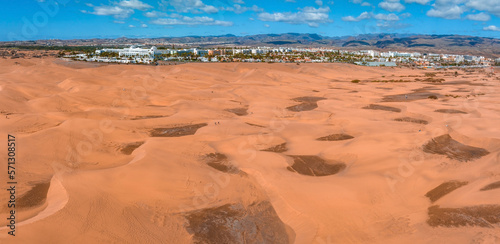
250	153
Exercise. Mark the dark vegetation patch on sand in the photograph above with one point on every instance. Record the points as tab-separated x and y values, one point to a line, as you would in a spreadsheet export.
412	120
445	145
335	137
382	107
34	197
303	107
314	166
387	81
308	99
482	215
220	162
261	126
147	117
433	80
176	131
417	94
238	111
444	189
461	90
306	103
79	64
234	223
129	148
463	82
277	149
450	111
494	185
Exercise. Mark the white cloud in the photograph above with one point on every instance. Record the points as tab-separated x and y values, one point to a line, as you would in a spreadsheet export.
448	9
115	11
391	5
366	15
478	17
266	25
492	6
239	1
155	14
120	10
131	26
405	15
118	22
360	2
386	17
446	12
188	6
209	9
241	9
423	2
362	16
134	4
319	2
144	26
307	15
491	28
453	9
391	25
184	20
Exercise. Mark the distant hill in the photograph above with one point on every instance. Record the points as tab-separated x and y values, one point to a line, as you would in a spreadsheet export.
489	47
422	43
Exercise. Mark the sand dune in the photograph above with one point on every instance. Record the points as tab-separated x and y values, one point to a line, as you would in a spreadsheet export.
250	153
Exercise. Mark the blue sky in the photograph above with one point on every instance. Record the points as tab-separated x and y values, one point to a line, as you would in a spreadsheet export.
68	19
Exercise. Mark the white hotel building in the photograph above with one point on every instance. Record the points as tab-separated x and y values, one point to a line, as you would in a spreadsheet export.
133	51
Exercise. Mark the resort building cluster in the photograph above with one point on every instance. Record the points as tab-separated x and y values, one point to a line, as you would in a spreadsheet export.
151	55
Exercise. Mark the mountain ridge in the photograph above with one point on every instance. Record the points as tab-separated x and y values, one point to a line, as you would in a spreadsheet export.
473	45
